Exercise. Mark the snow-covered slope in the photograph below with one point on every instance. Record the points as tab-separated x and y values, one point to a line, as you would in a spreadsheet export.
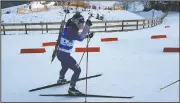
133	66
56	14
13	9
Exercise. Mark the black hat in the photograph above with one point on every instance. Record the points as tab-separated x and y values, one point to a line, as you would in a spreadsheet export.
78	18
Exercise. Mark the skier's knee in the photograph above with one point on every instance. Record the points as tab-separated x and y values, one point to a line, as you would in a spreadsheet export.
78	69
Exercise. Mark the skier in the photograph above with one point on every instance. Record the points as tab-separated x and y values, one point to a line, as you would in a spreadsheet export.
68	38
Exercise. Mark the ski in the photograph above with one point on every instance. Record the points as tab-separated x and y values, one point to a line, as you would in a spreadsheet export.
58	84
88	95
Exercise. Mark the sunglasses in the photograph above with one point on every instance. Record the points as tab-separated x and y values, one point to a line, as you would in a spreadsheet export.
81	21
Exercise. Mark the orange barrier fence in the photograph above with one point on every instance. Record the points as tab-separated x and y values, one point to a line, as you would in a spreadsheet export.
90	49
171	49
109	39
167	26
49	44
33	50
158	36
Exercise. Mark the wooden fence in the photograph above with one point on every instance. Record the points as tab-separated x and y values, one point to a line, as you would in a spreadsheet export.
105	25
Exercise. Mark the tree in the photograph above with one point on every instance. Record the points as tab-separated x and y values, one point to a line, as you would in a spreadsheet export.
124	3
146	3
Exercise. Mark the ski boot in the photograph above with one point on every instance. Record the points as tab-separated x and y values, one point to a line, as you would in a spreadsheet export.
61	81
74	91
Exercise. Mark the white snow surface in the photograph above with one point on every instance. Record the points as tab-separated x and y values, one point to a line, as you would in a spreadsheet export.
135	65
102	3
56	14
149	14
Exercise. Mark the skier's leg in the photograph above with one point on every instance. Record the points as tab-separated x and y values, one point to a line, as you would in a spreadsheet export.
73	65
69	62
77	70
63	71
62	58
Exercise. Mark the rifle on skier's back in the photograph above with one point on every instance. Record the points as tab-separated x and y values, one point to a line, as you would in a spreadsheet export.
59	37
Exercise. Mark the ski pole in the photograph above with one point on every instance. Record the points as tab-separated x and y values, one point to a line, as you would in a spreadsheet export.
168	85
87	42
87	67
84	53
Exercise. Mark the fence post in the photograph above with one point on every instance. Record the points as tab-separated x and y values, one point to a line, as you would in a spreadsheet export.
161	20
123	25
41	23
105	26
148	23
46	27
155	21
4	30
25	27
137	25
143	23
151	22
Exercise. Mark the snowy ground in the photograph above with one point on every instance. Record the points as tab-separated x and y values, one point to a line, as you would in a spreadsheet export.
149	14
58	15
133	66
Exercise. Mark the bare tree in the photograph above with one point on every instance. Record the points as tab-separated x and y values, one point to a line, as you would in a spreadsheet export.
136	3
114	5
124	3
146	3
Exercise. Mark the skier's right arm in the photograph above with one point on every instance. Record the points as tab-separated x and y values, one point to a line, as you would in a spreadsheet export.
72	33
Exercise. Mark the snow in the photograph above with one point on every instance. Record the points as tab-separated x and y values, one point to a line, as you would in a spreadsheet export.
50	4
58	15
133	66
149	14
13	9
35	5
102	3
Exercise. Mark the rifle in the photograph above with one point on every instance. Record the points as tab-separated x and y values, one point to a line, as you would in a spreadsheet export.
59	36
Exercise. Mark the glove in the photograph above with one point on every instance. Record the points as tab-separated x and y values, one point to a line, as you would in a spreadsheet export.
89	23
90	35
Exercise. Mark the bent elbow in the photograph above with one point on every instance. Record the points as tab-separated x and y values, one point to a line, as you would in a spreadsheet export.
81	39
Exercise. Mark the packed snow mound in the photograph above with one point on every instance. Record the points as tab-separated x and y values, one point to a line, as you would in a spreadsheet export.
50	4
39	5
35	5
